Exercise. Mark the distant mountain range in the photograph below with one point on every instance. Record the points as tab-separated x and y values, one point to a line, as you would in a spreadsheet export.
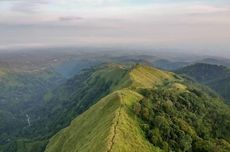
216	77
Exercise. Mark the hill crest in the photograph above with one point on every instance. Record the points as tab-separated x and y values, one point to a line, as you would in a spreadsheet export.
141	116
114	112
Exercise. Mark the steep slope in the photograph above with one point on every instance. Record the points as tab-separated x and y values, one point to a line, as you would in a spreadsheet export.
107	122
184	120
112	120
105	111
21	95
215	76
157	111
58	106
147	77
79	93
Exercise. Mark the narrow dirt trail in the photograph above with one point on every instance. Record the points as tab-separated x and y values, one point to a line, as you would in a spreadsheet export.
115	125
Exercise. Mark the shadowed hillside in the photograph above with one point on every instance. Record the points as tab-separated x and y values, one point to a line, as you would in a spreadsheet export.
216	77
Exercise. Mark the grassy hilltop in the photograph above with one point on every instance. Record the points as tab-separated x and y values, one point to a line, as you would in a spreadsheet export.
107	124
147	109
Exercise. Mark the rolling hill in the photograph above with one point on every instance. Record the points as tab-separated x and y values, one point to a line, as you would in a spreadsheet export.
216	77
147	109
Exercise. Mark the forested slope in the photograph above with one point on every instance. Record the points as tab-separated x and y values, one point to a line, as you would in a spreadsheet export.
215	76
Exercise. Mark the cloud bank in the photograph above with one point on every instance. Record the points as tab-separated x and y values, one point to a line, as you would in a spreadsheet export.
154	23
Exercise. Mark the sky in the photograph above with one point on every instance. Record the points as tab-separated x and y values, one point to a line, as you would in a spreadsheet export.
194	25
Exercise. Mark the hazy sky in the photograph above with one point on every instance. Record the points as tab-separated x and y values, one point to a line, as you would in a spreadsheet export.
194	24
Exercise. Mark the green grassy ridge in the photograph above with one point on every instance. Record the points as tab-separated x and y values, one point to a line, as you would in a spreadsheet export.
147	77
115	75
79	136
121	122
60	105
82	91
85	132
123	125
121	76
129	137
66	102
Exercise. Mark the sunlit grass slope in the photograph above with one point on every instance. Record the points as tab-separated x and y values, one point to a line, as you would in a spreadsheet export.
119	76
108	126
137	76
126	132
147	77
114	75
111	125
90	131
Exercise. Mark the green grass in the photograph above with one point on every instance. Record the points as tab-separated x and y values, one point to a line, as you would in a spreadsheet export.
129	136
114	74
110	125
90	131
147	77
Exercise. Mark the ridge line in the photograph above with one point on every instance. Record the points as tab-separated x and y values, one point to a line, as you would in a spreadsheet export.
116	124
